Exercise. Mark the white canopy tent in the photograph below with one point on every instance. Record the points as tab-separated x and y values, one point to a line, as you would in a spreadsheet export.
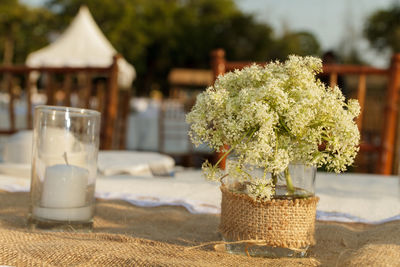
82	44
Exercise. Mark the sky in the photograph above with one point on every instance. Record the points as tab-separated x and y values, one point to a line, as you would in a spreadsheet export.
337	24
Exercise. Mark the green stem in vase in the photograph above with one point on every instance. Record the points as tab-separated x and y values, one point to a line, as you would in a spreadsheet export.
274	179
289	184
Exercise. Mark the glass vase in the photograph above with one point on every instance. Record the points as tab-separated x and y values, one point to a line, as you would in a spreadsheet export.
282	226
64	168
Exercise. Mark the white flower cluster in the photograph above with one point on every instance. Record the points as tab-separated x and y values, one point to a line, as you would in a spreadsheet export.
260	190
278	113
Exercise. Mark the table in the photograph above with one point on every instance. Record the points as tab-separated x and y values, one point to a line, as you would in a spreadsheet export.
171	215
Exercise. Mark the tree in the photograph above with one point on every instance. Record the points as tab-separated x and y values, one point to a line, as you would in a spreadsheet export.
299	43
22	30
382	29
156	36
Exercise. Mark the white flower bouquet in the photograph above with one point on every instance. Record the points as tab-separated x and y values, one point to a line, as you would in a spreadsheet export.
274	115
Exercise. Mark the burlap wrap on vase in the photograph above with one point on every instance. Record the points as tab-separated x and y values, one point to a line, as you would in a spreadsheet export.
278	222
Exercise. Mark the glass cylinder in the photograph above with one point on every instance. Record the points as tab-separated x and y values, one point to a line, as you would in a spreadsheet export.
262	222
64	167
300	178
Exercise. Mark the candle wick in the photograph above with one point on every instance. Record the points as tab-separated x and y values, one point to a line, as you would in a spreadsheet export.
65	158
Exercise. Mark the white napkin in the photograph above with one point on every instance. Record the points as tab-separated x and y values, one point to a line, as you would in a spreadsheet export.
135	163
188	189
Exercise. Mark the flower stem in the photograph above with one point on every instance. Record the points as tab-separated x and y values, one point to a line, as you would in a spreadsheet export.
289	184
251	131
274	179
223	156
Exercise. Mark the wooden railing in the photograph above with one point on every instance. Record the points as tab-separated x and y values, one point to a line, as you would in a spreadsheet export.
107	99
385	149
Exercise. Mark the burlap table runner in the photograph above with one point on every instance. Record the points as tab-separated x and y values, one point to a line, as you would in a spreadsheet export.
291	222
126	235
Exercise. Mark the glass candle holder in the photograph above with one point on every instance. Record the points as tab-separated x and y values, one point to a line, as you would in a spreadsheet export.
64	168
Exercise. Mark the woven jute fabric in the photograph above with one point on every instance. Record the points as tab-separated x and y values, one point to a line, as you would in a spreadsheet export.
278	222
127	235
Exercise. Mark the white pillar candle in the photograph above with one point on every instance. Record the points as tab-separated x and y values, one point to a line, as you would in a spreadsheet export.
64	186
64	194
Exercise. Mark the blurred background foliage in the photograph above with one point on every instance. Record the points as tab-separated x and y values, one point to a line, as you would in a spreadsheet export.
156	36
22	30
383	29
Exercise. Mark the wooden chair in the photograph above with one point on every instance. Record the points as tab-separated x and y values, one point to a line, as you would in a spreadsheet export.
173	131
69	86
384	149
184	82
173	135
184	85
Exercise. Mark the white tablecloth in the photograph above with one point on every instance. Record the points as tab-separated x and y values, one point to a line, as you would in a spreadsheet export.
344	197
